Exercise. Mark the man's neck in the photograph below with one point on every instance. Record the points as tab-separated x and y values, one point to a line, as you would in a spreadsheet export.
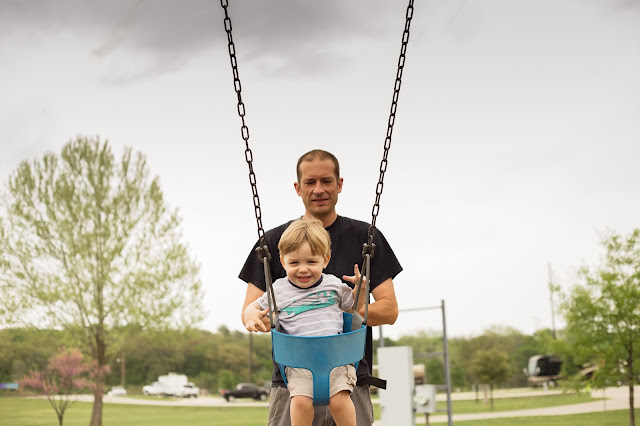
326	220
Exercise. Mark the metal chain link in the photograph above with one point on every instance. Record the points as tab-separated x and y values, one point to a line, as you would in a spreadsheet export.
263	250
369	247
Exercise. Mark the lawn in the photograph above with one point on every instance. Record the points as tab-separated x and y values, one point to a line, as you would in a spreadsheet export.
37	412
609	418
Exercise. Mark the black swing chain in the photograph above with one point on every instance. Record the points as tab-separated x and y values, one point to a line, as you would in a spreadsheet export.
262	249
369	246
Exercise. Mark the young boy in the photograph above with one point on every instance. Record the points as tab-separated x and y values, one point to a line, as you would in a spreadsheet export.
310	303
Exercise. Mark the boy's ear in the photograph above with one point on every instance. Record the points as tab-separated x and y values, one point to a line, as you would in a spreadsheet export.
282	261
326	261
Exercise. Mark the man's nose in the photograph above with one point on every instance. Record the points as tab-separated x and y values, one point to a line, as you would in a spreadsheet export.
318	188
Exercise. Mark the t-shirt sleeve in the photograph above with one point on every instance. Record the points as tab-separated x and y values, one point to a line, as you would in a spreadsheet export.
262	301
253	269
346	297
384	264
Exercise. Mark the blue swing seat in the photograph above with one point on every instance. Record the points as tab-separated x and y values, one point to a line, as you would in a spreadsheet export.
319	354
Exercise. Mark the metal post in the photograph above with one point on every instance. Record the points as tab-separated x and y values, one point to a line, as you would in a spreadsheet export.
447	374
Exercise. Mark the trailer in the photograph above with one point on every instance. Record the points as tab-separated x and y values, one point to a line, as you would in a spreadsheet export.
543	370
169	385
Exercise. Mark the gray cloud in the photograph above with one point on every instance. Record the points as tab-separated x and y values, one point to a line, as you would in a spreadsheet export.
173	31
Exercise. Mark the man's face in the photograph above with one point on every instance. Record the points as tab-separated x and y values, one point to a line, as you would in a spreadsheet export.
319	187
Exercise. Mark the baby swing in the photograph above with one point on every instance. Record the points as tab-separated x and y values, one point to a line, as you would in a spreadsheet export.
319	354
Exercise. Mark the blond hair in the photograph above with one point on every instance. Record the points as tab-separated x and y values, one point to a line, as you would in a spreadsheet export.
305	231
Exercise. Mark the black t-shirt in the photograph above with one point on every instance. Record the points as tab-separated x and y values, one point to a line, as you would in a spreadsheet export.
347	237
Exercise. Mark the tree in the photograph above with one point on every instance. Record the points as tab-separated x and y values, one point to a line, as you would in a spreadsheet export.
491	366
602	313
65	376
88	245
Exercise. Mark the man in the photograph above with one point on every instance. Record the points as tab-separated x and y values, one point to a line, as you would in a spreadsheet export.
319	184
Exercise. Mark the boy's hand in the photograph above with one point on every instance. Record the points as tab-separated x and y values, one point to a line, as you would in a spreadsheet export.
353	279
253	319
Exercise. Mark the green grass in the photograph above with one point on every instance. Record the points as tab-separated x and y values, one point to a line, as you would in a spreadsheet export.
36	412
509	404
609	418
518	403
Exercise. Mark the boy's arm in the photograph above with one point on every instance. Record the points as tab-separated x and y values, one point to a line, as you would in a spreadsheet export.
254	293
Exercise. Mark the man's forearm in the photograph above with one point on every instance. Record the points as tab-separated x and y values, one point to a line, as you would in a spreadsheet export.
385	308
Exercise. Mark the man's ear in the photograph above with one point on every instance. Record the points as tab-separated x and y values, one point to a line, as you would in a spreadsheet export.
297	187
340	182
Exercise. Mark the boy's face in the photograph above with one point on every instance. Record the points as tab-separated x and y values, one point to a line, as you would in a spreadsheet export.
303	268
318	187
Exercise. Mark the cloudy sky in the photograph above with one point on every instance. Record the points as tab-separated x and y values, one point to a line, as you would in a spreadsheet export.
516	142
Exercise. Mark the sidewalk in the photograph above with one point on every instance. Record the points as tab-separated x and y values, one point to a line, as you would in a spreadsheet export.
615	399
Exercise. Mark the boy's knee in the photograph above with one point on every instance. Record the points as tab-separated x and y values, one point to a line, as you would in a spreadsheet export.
302	402
340	399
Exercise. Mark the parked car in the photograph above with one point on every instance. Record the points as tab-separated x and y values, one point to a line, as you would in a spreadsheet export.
245	390
153	389
188	390
117	391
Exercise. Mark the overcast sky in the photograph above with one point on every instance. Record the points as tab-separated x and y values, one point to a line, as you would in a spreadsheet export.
516	142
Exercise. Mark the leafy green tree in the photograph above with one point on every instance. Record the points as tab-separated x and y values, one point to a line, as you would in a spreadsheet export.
602	313
87	244
66	375
491	367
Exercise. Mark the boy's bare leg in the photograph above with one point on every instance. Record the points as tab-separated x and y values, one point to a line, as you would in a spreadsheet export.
342	409
301	411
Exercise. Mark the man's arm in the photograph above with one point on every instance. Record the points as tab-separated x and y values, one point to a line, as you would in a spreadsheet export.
252	294
385	308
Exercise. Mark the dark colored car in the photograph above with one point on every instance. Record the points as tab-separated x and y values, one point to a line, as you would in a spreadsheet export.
245	390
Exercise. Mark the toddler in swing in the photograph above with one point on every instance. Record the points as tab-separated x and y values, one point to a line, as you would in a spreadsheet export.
309	303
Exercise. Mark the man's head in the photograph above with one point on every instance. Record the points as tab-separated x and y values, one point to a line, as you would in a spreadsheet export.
318	154
319	184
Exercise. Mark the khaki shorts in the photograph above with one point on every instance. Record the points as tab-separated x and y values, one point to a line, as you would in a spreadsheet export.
279	403
300	380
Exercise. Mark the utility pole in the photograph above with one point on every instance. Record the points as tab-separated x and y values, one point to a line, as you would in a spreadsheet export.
120	360
551	291
250	357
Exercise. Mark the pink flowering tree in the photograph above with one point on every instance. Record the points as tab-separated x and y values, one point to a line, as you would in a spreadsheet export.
66	375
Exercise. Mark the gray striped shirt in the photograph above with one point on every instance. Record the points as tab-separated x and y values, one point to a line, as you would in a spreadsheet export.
314	311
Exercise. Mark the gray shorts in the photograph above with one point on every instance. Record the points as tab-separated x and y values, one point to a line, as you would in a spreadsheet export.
300	380
280	400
